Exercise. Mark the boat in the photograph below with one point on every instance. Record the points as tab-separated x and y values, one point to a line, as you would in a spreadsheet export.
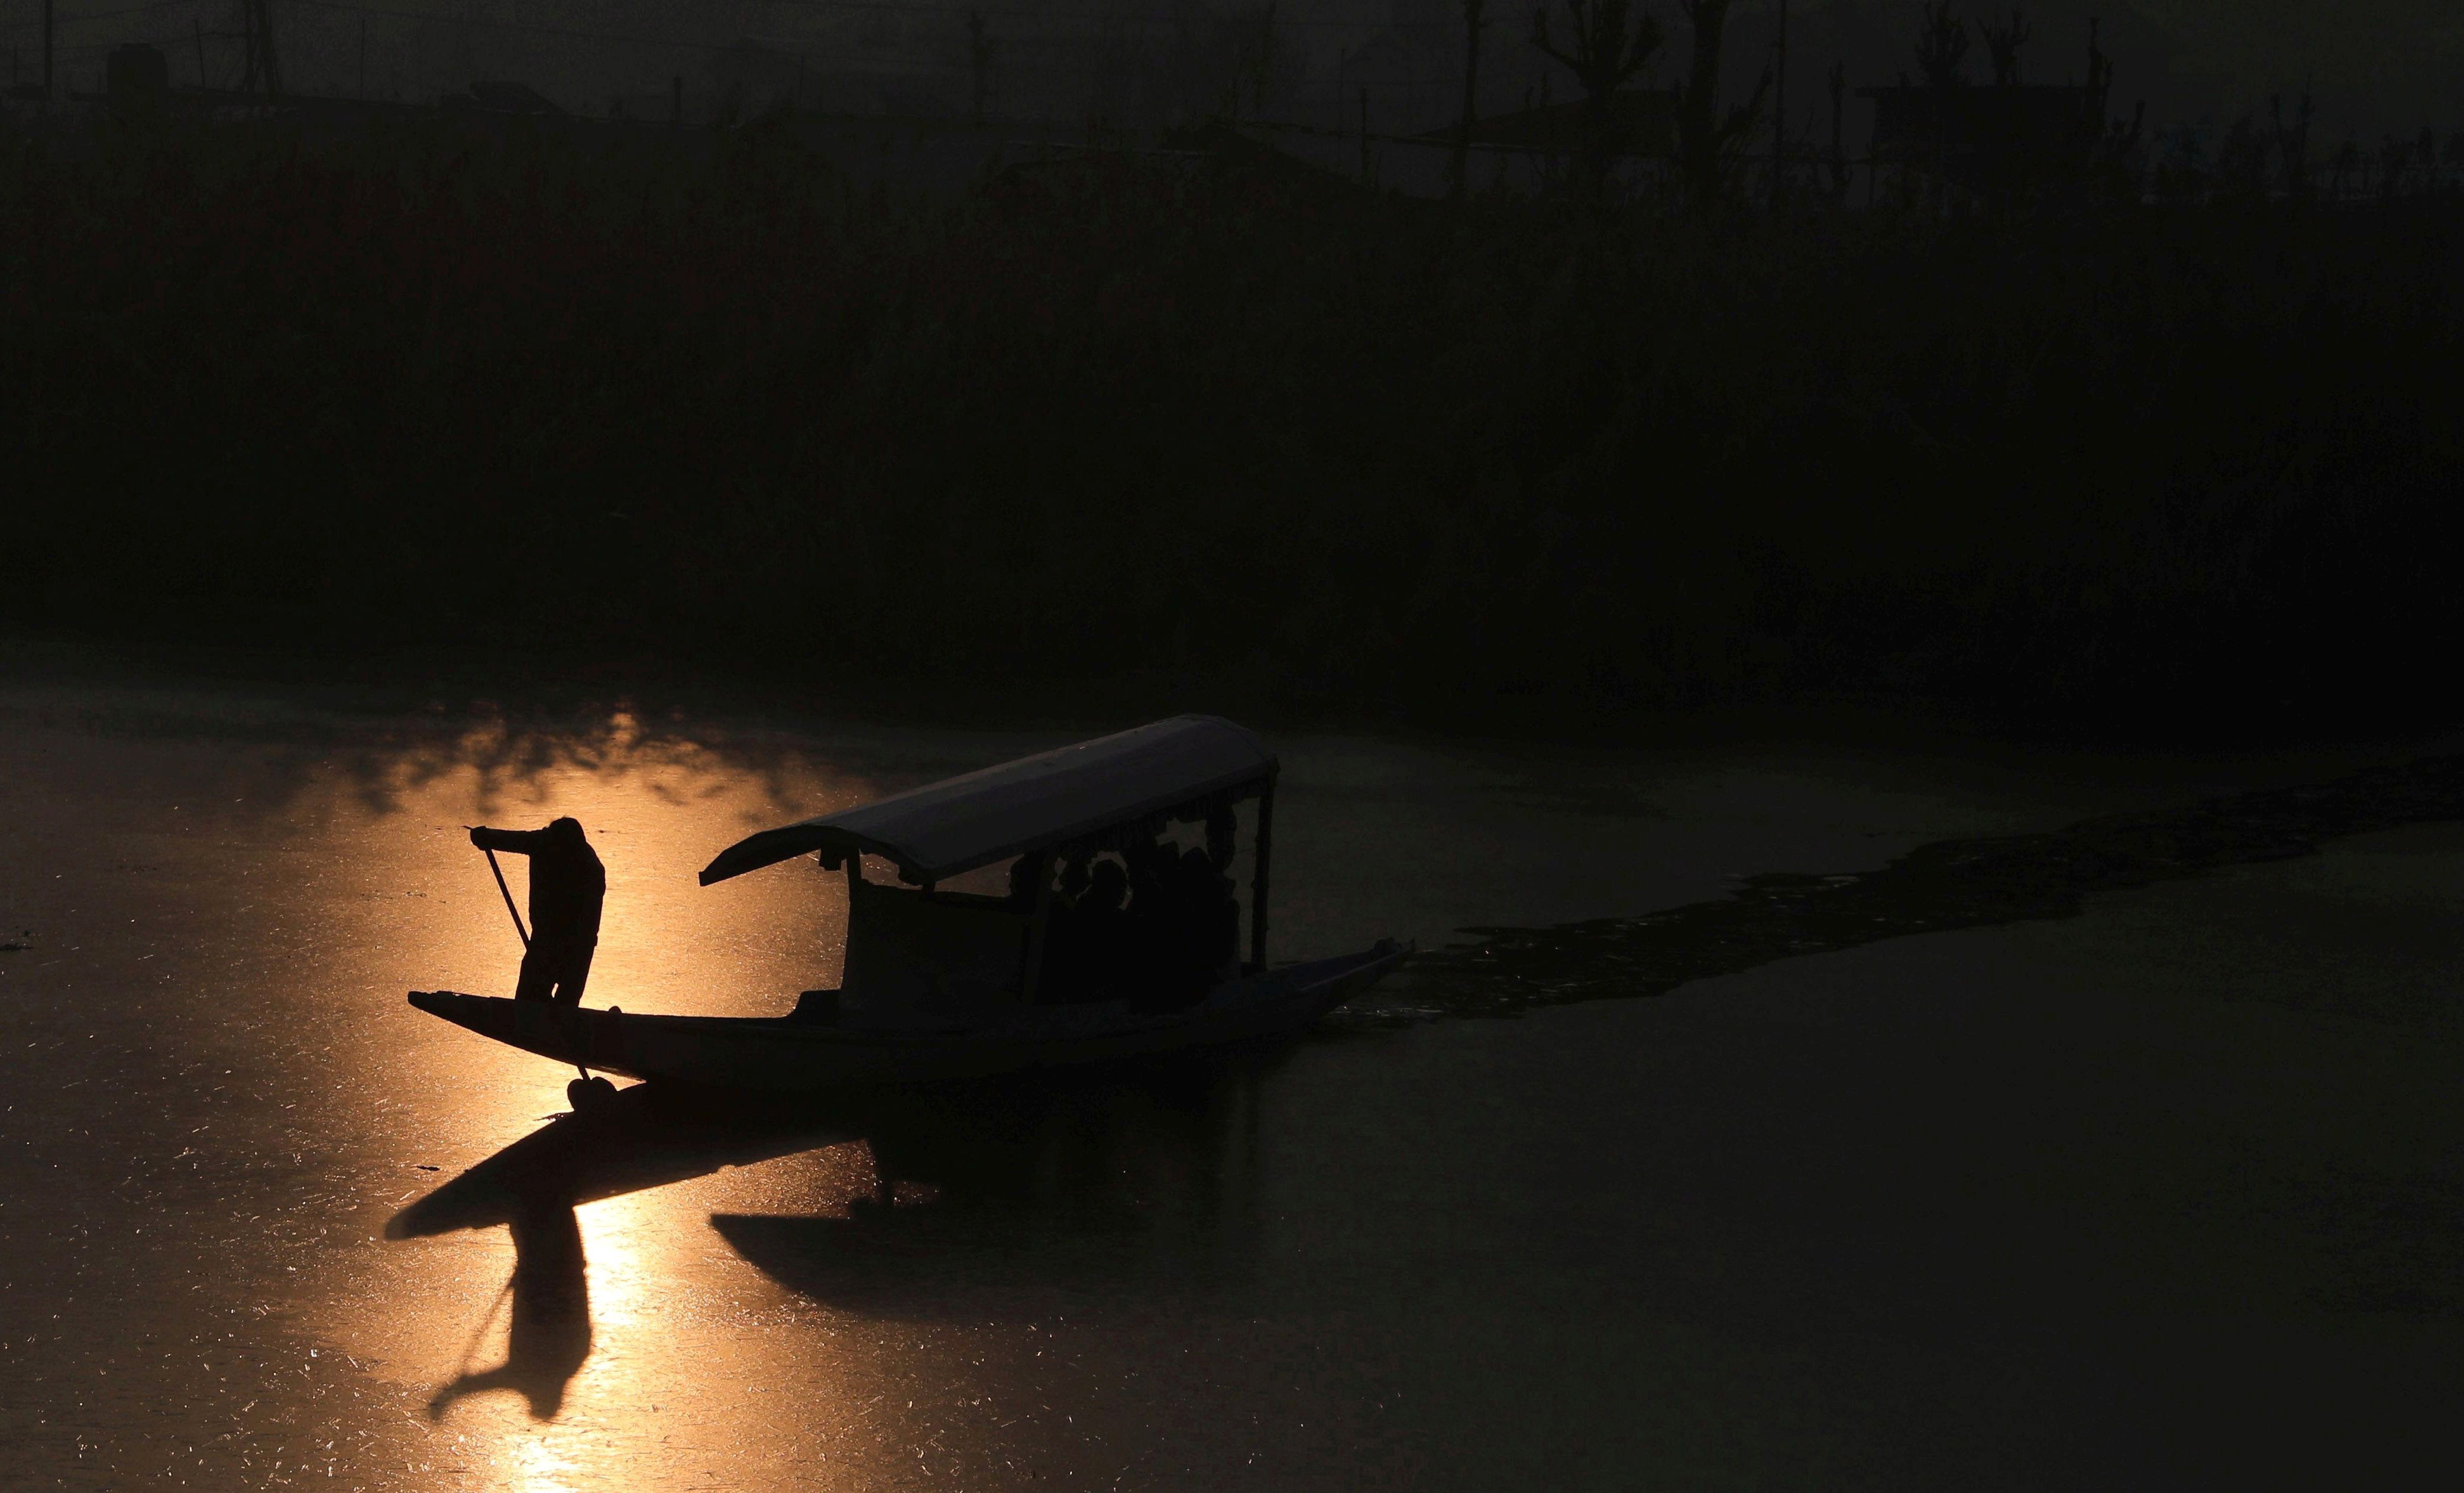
944	985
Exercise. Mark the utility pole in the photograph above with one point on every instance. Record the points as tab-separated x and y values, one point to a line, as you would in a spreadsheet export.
980	57
1474	20
1779	110
199	28
260	72
1364	134
47	51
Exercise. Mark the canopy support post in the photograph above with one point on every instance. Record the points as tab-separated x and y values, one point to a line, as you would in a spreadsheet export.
855	886
1264	849
1031	971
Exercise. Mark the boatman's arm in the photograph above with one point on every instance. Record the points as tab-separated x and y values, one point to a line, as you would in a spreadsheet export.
520	842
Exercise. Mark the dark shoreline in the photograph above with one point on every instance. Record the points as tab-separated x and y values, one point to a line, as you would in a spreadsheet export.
545	684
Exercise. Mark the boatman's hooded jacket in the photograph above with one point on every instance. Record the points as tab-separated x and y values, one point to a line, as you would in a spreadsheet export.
567	882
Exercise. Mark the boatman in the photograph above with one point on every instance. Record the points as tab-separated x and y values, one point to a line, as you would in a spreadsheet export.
567	887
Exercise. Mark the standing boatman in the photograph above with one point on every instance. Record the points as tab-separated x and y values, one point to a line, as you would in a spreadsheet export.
567	887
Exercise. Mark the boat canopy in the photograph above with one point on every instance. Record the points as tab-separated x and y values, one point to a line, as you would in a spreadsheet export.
956	826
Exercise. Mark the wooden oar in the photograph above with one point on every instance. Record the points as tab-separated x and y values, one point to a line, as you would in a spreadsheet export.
518	930
525	932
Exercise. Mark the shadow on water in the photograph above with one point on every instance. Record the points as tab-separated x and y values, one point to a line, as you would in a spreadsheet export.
1124	1179
644	1138
548	1338
1133	1182
1951	883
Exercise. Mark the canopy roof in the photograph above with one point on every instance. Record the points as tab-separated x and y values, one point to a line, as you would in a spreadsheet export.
957	825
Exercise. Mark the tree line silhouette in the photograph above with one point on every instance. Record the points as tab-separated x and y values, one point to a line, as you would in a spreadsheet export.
1217	417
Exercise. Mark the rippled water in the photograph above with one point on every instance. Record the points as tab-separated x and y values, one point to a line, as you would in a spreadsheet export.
1949	884
261	1222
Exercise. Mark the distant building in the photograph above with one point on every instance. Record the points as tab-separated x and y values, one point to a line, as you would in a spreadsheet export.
1409	70
749	79
136	79
1991	138
1395	81
503	97
1643	121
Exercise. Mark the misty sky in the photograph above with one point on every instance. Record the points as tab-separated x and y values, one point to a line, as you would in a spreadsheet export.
2375	64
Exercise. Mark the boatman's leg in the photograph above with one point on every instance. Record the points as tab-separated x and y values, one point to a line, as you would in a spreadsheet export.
538	973
573	973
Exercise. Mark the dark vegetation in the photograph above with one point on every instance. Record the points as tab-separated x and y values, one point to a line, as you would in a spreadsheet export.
1357	455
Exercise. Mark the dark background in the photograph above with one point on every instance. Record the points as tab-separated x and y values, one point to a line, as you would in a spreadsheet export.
2162	442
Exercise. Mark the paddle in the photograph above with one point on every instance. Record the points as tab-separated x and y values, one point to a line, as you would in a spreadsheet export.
523	932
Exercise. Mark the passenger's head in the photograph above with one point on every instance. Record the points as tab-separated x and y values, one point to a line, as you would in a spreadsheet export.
1027	875
567	830
1109	887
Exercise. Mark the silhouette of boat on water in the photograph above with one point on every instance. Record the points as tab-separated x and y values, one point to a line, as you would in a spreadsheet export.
1083	961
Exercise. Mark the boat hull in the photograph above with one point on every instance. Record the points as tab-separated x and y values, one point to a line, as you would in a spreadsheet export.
787	1055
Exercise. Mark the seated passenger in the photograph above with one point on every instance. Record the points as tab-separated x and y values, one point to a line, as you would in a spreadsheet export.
1100	956
1220	838
1074	880
1214	915
1028	875
1107	890
1150	867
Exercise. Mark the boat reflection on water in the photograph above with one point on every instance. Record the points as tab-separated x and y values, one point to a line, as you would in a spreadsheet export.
1000	1199
984	1197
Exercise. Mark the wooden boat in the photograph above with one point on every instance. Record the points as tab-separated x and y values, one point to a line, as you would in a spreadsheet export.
941	985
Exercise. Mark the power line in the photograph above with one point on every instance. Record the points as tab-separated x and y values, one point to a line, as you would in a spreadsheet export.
1139	19
65	21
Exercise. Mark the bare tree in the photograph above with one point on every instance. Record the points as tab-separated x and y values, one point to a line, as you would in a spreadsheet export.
1837	80
2115	147
1941	46
1704	133
2002	43
2291	143
2240	172
2395	158
1610	42
1260	47
979	61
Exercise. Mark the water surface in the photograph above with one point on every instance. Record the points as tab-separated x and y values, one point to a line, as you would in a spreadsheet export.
261	1222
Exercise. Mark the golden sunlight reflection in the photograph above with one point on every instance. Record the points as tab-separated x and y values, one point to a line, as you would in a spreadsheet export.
280	1217
556	1345
489	1296
591	1346
539	1466
656	809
